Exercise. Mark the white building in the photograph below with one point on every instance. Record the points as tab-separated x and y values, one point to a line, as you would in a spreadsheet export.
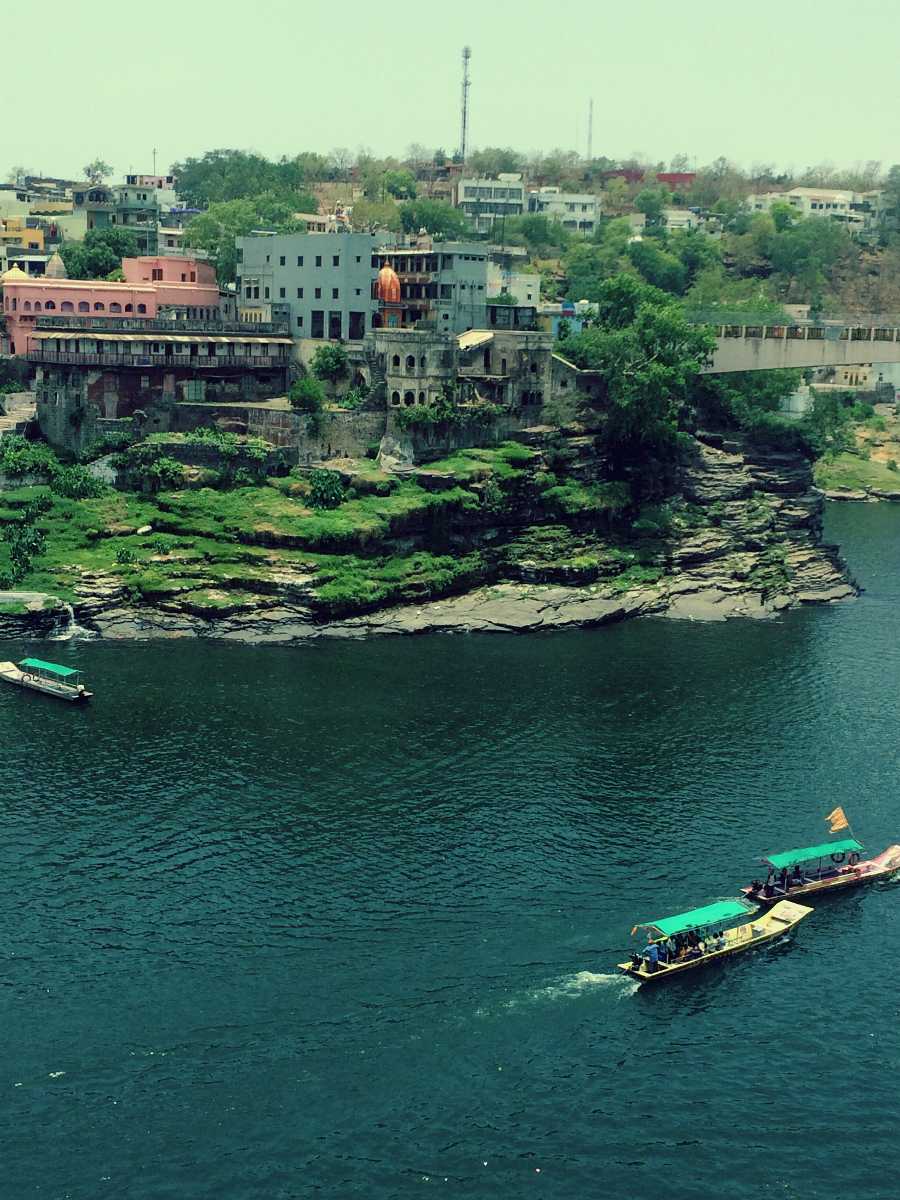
857	210
484	200
524	287
680	218
578	212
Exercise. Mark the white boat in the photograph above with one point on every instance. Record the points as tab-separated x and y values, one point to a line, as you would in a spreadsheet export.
51	678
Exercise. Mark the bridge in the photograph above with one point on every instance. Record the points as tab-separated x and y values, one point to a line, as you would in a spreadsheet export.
745	344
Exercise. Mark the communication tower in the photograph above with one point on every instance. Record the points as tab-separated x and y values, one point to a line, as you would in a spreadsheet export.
464	113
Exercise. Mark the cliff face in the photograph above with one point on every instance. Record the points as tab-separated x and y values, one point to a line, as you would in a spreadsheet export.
741	537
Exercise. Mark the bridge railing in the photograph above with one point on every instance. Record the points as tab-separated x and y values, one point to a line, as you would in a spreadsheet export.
853	328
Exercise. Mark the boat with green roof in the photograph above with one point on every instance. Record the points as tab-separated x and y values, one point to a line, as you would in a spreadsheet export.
820	870
50	678
703	936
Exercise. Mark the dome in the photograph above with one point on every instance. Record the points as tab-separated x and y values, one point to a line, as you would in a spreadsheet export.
13	275
388	286
56	268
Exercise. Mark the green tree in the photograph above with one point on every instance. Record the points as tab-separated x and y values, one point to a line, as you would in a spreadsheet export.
326	489
100	254
400	184
330	363
222	175
307	395
651	202
658	267
215	230
494	160
371	215
648	355
435	217
97	170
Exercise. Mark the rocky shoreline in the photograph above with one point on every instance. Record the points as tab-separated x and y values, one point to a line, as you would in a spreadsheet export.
752	550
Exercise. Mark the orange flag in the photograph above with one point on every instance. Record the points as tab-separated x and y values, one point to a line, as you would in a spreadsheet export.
838	820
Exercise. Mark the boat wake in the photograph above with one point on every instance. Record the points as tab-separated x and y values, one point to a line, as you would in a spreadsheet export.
570	987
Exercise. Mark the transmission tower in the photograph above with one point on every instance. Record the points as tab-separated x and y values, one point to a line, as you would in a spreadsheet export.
464	110
590	136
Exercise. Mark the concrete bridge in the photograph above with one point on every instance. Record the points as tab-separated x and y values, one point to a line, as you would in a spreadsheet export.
847	341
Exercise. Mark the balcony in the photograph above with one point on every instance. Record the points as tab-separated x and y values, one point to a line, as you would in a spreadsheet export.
255	362
149	325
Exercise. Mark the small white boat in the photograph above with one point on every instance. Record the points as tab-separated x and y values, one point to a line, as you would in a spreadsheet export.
39	676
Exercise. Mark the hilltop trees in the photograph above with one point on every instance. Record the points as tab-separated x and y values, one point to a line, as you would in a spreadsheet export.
222	175
215	230
648	355
100	254
442	220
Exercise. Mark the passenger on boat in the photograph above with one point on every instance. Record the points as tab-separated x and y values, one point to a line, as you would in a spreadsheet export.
755	888
797	877
651	955
783	879
769	890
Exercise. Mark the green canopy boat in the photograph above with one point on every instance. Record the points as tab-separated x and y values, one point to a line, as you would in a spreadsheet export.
51	678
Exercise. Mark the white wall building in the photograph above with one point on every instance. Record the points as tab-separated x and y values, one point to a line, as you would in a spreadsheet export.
524	287
857	210
680	218
578	212
484	200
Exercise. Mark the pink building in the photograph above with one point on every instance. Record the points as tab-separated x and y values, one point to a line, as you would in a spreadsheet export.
153	287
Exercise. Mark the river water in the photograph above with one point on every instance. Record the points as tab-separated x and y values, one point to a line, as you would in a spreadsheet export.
341	920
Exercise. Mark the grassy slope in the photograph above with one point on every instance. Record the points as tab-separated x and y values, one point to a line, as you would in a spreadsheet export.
852	471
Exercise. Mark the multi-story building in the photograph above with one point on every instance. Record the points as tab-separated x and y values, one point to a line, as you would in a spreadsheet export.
484	200
135	207
153	287
578	212
93	372
442	283
859	211
321	283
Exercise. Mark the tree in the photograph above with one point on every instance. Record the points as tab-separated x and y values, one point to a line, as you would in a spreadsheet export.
330	363
369	215
97	171
648	355
215	230
307	395
222	175
651	202
100	254
435	217
494	160
401	184
658	267
616	194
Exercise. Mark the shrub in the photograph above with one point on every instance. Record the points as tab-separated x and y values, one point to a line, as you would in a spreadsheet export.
326	489
892	464
330	363
307	395
354	397
21	457
76	483
125	556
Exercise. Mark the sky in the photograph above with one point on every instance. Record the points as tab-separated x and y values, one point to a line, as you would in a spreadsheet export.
791	84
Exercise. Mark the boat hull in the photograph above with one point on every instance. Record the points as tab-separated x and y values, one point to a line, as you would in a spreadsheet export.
881	867
778	920
10	673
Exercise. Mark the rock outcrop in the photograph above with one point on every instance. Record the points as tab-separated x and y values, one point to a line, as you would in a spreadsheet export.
744	540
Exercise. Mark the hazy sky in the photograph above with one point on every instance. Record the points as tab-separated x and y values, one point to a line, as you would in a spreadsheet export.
793	84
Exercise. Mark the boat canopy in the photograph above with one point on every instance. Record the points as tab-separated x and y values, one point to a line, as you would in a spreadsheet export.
791	858
54	670
700	918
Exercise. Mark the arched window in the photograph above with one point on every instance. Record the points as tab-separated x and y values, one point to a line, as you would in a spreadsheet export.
67	306
99	307
410	363
142	308
115	307
37	306
128	308
395	397
83	306
409	398
27	306
421	397
49	304
395	361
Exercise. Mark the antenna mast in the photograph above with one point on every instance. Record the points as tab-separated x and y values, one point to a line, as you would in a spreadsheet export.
590	135
464	113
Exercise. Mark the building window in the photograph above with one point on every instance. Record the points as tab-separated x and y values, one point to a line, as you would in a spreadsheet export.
142	308
317	323
299	260
156	273
49	305
145	382
83	306
115	308
395	361
318	293
336	260
281	293
266	295
395	397
358	259
409	399
299	322
357	328
98	307
421	397
299	293
66	306
318	260
410	363
281	260
335	294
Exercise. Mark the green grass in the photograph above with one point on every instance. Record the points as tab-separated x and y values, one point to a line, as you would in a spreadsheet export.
850	471
501	462
13	610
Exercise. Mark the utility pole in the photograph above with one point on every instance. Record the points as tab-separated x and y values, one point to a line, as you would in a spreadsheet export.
590	135
464	113
154	160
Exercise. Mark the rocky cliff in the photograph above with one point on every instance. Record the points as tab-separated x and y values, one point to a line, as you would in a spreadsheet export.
741	537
